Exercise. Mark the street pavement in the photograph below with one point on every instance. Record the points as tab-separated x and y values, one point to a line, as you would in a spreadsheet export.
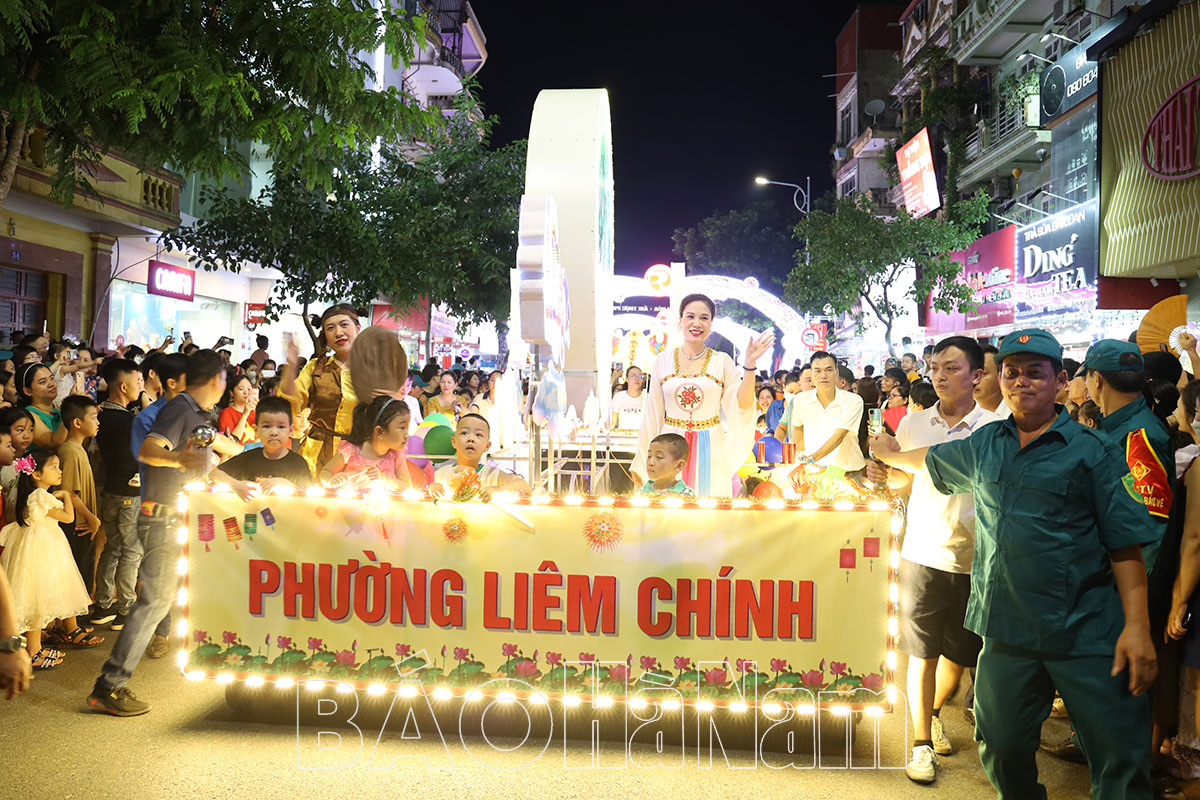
192	744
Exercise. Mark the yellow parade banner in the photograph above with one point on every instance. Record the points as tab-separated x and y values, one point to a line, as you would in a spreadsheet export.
722	603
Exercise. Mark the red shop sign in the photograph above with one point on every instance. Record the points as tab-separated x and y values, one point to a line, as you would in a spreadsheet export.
1169	144
168	280
255	313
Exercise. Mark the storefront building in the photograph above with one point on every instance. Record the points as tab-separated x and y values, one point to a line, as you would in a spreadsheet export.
1150	164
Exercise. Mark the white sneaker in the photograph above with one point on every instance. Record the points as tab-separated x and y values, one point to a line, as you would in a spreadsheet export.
923	767
941	743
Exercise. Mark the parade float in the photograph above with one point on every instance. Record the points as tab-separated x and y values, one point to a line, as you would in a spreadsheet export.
778	605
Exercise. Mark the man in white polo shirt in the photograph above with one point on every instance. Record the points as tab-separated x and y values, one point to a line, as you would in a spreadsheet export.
935	560
825	419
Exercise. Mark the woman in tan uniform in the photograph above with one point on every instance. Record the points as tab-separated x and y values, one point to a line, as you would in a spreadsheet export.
323	387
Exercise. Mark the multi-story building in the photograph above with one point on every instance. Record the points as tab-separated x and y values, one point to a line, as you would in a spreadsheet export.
867	62
82	272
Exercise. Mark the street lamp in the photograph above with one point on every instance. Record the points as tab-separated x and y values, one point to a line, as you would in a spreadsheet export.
1028	54
804	190
1048	35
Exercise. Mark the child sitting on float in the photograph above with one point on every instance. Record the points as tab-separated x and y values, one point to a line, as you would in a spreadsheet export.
273	465
665	459
472	438
375	448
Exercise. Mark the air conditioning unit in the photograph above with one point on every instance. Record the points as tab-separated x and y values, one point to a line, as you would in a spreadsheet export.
841	153
1064	10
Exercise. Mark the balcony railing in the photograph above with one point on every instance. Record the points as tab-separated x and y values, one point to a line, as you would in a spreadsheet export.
975	21
996	131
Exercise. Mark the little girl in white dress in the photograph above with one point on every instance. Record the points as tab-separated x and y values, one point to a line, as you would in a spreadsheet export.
46	584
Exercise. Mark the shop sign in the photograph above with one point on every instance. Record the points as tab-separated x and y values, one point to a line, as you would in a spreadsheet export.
1169	143
989	268
255	314
814	337
1073	78
917	177
1058	259
168	280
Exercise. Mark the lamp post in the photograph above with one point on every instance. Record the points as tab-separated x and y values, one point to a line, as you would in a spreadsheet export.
804	190
804	208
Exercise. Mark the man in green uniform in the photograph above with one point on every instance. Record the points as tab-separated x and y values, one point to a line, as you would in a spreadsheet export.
1058	585
1113	375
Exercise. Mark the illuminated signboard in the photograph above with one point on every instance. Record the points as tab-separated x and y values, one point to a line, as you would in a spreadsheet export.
168	280
1057	263
917	178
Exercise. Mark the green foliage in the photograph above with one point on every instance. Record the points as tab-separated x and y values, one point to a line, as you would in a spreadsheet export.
856	259
753	241
182	83
1015	89
443	227
745	242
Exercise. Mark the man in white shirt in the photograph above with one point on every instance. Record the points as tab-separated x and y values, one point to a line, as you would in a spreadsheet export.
825	420
987	393
935	561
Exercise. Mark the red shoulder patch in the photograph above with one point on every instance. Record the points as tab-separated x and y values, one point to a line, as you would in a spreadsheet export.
1149	475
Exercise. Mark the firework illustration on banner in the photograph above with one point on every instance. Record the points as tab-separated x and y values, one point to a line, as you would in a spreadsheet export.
455	529
848	559
603	531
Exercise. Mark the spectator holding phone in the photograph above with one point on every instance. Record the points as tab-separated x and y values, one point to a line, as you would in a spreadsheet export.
237	413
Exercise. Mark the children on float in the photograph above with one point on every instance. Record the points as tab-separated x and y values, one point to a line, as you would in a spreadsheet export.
273	464
374	450
37	559
665	458
472	438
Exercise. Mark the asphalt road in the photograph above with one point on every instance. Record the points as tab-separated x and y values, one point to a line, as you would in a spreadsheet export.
192	744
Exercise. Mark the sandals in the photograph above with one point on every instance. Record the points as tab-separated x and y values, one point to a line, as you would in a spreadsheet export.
82	638
46	659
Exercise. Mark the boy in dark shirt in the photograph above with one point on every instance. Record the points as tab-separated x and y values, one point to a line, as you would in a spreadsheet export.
120	497
273	464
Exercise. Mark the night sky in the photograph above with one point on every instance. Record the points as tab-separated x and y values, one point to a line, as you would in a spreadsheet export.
704	97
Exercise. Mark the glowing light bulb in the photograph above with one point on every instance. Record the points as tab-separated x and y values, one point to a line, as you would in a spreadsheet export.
537	699
408	690
737	706
314	686
284	683
195	675
344	688
411	495
181	628
254	681
571	700
506	697
442	693
181	598
704	705
181	566
376	689
772	709
573	500
225	677
671	704
603	701
638	703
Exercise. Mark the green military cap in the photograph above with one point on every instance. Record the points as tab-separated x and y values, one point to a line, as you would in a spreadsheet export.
1106	355
1030	340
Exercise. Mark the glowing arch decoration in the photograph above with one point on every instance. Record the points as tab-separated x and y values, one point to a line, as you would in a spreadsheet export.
788	322
570	160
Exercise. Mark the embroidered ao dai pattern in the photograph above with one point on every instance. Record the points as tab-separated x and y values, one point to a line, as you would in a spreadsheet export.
703	409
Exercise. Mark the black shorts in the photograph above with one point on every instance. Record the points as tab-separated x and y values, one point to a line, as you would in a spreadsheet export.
933	604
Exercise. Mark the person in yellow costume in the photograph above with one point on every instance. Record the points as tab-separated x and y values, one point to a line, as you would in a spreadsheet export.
323	388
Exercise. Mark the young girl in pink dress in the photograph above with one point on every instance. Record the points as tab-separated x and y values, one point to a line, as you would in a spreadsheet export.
374	450
46	585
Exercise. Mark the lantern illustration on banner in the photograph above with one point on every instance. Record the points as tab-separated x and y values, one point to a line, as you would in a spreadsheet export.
848	559
870	549
250	525
268	518
206	524
232	532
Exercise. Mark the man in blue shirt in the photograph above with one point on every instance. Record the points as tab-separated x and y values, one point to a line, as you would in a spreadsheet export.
1058	584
